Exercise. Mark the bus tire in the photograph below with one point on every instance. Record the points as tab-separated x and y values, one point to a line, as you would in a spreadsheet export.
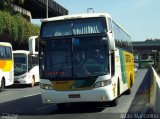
128	92
33	81
2	85
61	106
115	101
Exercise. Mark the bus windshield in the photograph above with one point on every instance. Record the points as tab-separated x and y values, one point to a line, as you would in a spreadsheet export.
76	57
73	27
20	64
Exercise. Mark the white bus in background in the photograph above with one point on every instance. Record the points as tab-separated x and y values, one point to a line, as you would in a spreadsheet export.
26	69
6	65
26	65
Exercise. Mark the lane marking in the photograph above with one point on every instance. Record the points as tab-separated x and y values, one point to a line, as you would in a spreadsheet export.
46	107
31	95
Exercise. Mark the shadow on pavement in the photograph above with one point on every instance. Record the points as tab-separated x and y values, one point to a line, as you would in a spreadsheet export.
89	107
33	106
20	86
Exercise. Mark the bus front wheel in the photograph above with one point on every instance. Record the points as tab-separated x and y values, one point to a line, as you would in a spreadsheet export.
33	81
2	85
61	106
114	102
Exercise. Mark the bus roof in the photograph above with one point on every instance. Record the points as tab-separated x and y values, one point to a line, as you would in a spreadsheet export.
82	15
74	16
23	52
5	44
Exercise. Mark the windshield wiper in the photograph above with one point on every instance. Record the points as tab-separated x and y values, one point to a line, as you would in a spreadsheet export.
64	61
81	64
60	68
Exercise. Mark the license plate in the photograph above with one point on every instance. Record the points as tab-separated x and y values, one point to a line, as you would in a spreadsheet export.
74	96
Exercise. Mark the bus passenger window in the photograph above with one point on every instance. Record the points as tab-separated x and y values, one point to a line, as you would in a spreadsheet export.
8	53
2	52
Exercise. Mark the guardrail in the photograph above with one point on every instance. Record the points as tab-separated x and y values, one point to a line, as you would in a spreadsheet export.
155	92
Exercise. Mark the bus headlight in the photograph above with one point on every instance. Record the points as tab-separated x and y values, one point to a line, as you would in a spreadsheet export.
23	76
46	86
102	83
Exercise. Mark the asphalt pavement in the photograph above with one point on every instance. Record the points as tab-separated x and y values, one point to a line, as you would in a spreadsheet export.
25	102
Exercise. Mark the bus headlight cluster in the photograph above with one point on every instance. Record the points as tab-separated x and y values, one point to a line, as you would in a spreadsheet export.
20	77
102	83
23	76
46	86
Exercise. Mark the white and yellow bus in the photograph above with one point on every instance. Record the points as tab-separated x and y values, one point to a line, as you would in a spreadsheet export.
6	65
84	58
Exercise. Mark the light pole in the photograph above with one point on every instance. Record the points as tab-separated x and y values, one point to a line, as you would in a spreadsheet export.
90	9
155	57
47	9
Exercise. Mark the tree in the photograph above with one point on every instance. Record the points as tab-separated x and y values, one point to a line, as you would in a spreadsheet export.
17	27
4	5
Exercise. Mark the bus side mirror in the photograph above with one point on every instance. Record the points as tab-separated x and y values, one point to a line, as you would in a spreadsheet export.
32	44
111	41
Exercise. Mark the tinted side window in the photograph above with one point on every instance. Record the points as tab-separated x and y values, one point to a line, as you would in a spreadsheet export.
32	61
122	39
8	53
5	52
2	52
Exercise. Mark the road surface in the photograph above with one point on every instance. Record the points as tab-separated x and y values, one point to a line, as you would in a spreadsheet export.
25	102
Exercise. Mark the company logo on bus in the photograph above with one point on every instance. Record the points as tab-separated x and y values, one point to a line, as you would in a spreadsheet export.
128	58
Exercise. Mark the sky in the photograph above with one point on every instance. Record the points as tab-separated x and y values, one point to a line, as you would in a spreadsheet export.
140	18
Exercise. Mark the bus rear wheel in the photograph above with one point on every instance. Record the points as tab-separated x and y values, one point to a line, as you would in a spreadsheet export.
2	85
128	92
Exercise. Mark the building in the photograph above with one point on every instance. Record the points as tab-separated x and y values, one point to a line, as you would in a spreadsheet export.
146	52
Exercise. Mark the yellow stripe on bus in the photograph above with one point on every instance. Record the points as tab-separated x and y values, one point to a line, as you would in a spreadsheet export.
129	67
6	65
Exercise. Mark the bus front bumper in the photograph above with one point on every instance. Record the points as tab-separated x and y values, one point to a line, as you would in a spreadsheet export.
102	94
22	80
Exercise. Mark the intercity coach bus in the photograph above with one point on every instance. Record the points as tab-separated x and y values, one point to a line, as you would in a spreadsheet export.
84	58
6	65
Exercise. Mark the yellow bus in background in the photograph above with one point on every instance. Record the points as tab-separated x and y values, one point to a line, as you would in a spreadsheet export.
84	58
6	65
